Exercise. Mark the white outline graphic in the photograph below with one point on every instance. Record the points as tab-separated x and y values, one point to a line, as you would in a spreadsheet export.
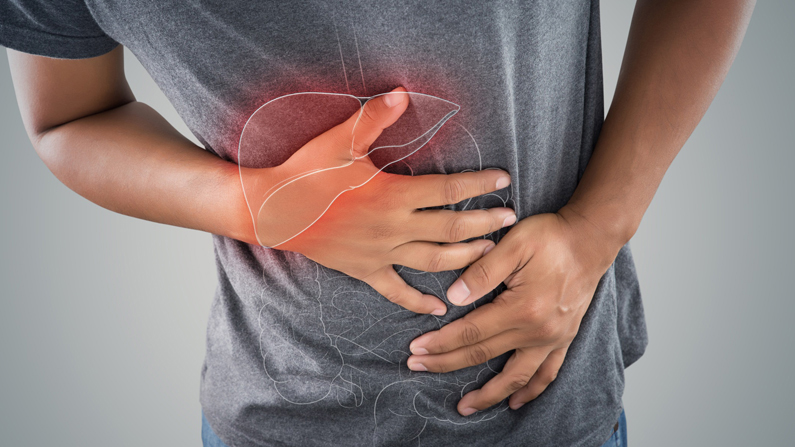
358	326
400	398
363	101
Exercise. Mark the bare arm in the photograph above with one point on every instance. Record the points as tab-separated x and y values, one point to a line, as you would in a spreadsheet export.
677	56
88	129
121	154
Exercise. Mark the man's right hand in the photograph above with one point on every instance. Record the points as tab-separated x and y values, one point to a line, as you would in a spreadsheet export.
372	227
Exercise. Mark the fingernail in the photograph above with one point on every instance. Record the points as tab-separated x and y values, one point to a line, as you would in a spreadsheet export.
391	99
467	411
510	220
416	347
417	366
503	181
440	311
458	292
488	249
516	407
418	350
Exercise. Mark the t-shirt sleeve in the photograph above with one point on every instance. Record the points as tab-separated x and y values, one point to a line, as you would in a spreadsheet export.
62	29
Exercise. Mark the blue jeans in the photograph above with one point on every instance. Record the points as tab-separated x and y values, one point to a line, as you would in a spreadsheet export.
618	439
209	438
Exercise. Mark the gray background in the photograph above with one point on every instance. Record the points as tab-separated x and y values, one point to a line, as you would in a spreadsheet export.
103	316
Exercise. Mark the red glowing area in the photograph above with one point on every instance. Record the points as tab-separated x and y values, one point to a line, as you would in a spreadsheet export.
320	146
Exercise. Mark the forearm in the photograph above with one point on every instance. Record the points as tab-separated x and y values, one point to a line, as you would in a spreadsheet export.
130	160
677	55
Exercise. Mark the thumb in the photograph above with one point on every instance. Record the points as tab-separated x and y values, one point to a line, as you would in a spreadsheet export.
378	113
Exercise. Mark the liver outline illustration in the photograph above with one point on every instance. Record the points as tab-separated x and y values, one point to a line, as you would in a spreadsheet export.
276	130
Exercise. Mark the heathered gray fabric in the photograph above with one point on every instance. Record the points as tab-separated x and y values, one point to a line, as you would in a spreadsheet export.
299	354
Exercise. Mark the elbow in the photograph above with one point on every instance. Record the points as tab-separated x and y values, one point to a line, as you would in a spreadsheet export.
51	147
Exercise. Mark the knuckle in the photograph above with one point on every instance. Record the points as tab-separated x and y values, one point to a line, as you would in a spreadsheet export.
551	377
488	221
438	261
485	186
368	115
517	381
457	229
454	190
480	274
532	313
549	331
470	333
495	221
477	355
396	297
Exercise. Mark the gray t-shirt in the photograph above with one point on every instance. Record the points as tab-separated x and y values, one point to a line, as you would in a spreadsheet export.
299	354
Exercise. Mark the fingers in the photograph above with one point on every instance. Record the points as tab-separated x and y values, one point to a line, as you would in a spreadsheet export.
478	325
430	257
388	283
463	357
543	377
378	113
455	226
516	373
425	191
485	274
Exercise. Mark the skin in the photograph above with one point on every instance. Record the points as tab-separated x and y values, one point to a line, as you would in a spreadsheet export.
377	225
86	126
677	55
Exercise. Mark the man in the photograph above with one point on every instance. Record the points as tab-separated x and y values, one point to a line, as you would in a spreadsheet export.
315	342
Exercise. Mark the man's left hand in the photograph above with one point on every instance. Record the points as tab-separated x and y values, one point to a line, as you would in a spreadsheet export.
551	265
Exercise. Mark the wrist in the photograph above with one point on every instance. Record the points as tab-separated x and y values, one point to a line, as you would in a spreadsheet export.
614	221
239	224
602	235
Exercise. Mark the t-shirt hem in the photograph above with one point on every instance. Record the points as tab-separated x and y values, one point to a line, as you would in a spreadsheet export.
53	45
598	438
